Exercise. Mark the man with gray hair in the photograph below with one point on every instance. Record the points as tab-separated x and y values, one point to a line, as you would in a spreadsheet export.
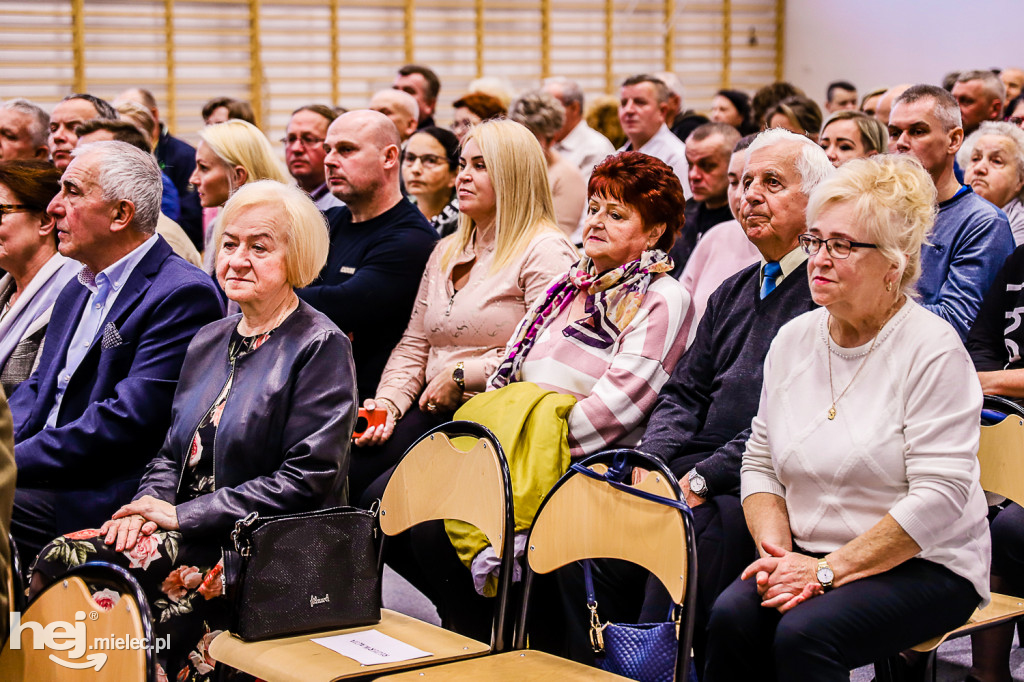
94	413
971	237
981	96
643	108
701	420
576	142
23	130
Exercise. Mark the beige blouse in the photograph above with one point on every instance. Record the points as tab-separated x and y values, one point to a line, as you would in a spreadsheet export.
569	193
474	324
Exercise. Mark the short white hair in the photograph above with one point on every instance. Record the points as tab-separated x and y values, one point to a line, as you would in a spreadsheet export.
812	163
998	129
126	173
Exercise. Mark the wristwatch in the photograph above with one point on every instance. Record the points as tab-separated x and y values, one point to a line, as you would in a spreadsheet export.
824	574
459	375
698	486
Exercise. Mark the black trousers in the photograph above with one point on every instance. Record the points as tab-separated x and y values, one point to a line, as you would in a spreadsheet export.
33	523
826	637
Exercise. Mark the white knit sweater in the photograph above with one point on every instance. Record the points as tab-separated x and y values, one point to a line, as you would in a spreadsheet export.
904	440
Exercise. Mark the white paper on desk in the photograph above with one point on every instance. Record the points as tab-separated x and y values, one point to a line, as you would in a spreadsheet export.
371	647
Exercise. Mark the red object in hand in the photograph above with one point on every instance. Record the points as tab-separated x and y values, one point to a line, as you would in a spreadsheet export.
369	418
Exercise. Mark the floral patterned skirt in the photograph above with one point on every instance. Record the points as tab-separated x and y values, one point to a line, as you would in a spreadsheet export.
182	580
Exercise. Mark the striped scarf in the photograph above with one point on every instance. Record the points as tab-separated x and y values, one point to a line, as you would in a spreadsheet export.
613	299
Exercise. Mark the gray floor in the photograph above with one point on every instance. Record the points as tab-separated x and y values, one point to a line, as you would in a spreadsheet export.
954	657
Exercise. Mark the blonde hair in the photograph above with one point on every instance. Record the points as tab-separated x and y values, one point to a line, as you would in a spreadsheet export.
303	227
524	208
893	197
240	143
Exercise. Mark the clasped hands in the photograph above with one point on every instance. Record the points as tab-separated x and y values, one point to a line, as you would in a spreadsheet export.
141	517
784	579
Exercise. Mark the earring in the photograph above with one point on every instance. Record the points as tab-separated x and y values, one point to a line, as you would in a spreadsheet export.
888	286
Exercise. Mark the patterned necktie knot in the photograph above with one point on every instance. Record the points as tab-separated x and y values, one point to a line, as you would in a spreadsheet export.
87	277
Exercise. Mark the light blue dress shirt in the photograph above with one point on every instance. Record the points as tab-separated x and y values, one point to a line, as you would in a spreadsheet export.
104	289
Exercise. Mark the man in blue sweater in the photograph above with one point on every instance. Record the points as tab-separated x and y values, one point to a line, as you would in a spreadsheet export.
971	237
380	243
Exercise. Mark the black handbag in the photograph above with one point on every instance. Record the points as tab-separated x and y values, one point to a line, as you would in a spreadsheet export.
303	573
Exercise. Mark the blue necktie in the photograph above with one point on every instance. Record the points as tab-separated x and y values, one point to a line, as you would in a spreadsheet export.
771	271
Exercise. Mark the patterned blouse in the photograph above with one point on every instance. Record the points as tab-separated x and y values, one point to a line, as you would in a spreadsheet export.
199	474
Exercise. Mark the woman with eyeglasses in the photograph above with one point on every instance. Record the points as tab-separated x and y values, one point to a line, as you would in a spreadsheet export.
36	273
860	478
430	164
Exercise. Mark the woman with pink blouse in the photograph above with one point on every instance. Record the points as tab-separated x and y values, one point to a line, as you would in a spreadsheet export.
477	285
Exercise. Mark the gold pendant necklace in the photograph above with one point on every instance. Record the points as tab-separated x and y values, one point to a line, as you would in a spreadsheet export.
828	347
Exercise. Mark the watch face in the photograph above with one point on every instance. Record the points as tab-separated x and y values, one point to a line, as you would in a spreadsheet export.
825	575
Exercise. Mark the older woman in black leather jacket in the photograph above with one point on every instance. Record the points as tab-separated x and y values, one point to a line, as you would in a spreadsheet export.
261	421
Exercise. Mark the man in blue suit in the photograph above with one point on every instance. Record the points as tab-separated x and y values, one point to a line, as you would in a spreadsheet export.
97	408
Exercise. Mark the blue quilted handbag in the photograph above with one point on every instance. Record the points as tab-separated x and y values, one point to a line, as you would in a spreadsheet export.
645	652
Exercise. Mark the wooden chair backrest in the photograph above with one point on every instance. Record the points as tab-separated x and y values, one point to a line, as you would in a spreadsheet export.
589	519
60	602
436	480
1001	454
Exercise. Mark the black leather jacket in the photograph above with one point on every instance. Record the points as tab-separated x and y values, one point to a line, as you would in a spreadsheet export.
282	443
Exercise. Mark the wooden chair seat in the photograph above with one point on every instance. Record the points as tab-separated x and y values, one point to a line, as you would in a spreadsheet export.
299	659
511	665
1001	609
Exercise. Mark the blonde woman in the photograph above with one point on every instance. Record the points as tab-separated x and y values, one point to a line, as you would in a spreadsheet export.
860	478
229	155
848	135
260	423
478	284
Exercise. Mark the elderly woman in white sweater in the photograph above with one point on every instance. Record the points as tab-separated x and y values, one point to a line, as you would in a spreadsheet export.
860	478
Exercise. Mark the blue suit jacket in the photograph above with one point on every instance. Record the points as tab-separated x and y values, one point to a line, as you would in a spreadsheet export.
117	405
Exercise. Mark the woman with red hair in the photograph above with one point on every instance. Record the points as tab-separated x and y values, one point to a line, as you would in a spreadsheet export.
610	331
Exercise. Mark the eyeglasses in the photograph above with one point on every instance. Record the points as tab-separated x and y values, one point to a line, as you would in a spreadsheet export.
459	125
837	247
12	208
306	141
428	160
